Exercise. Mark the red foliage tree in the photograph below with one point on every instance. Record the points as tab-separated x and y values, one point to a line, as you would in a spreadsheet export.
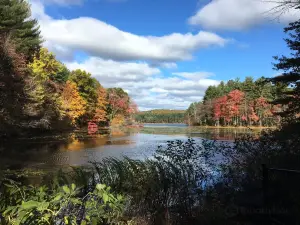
118	104
133	108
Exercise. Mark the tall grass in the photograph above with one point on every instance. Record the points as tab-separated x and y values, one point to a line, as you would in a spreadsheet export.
164	190
205	183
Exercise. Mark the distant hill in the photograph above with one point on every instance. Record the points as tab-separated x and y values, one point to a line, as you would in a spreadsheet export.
160	116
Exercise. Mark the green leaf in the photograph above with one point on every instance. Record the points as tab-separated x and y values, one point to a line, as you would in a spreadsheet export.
100	186
119	197
75	201
88	217
43	206
17	221
57	198
9	209
21	215
66	189
9	185
105	197
83	222
94	221
66	220
73	186
30	204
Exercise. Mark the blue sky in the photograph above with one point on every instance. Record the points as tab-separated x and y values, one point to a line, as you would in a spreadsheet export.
164	53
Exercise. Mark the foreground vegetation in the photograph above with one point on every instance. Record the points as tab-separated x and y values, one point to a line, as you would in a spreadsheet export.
38	93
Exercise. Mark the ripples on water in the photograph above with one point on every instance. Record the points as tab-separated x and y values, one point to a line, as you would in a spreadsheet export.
79	148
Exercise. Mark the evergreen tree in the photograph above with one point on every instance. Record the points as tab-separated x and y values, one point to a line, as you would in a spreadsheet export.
15	23
212	92
290	65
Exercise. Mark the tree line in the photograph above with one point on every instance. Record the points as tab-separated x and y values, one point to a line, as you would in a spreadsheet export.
238	103
160	116
38	92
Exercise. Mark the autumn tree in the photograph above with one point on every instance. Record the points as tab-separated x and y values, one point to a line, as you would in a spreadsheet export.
43	87
118	120
221	110
234	103
72	103
133	108
237	103
87	85
101	107
45	67
118	101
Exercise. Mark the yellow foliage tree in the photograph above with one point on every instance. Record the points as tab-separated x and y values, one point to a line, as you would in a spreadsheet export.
71	101
118	120
46	67
101	107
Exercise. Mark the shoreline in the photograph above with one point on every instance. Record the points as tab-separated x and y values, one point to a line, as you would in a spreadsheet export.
221	127
233	127
164	123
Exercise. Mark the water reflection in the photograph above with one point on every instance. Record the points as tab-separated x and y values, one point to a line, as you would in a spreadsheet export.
79	148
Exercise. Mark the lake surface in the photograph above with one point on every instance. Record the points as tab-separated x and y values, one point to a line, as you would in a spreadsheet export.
79	148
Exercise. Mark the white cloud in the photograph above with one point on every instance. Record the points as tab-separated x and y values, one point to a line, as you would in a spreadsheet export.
101	39
169	92
239	14
108	72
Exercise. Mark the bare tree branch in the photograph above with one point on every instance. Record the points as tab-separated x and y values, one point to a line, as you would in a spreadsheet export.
281	7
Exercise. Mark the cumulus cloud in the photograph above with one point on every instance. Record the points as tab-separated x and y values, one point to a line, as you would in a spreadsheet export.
239	14
109	71
168	92
149	91
101	39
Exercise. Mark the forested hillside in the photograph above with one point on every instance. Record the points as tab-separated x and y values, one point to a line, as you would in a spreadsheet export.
38	92
238	103
160	116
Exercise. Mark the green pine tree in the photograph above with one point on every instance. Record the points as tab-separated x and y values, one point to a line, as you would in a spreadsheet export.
16	24
290	65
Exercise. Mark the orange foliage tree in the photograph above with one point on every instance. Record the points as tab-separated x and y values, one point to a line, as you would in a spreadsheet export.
72	103
101	107
118	120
